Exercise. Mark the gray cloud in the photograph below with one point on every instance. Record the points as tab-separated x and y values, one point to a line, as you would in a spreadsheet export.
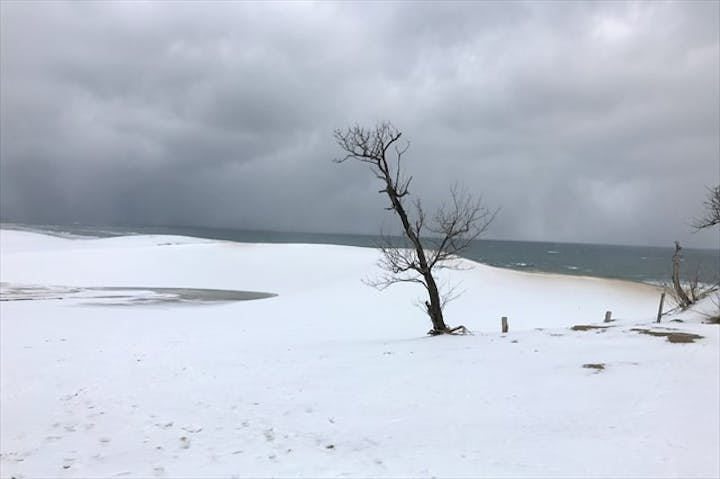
591	121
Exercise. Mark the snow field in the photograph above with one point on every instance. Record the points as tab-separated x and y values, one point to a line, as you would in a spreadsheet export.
332	378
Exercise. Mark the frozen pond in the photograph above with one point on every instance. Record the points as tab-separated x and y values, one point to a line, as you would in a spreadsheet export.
126	295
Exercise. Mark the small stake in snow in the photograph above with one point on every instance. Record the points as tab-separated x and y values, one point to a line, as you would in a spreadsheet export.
504	324
662	300
608	316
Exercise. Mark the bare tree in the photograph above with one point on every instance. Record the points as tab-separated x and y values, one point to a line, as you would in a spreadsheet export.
685	295
712	210
692	291
430	244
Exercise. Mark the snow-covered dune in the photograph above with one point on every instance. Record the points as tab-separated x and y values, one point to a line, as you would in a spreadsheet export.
331	377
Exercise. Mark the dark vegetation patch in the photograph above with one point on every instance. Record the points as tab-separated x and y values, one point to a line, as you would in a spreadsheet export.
672	336
588	327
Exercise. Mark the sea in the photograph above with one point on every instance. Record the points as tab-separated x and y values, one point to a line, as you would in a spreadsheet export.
644	264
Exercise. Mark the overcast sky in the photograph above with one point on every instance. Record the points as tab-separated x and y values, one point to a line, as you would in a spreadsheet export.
586	122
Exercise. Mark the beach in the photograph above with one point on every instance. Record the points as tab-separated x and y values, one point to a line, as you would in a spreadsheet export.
324	376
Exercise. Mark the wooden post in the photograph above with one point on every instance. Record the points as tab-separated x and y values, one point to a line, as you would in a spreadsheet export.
504	324
608	316
662	300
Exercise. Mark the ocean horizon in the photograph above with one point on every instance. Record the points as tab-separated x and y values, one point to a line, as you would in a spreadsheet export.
644	264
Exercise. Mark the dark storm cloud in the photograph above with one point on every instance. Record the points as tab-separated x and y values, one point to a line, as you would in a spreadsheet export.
583	121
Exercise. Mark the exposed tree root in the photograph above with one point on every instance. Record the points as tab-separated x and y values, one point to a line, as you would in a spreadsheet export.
457	330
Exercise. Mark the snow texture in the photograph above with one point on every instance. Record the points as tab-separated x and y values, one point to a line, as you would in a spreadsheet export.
331	378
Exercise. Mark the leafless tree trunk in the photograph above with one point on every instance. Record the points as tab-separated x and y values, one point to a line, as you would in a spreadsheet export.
712	210
450	231
680	293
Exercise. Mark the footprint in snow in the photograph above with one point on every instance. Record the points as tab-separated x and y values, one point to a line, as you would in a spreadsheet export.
192	429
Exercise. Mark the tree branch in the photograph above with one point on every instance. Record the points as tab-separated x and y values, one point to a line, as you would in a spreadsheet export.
712	210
